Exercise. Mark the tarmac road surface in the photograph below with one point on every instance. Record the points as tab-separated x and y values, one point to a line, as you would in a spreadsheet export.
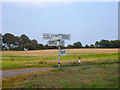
11	73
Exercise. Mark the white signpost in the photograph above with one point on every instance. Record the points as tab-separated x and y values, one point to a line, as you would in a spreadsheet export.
56	43
62	52
57	40
65	36
53	43
50	36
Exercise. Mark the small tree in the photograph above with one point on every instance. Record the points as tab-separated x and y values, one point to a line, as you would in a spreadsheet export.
70	46
97	44
41	46
77	45
92	46
86	46
46	46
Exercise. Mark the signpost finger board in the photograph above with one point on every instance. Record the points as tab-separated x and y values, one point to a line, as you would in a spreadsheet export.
62	52
50	36
65	36
56	43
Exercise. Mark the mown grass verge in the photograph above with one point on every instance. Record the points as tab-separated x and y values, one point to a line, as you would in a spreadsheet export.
97	76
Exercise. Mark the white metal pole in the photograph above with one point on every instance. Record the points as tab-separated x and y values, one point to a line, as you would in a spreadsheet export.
79	60
59	57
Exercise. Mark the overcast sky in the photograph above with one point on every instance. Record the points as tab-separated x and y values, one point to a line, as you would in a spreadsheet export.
87	22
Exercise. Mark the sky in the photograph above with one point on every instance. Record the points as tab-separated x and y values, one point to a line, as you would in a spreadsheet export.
87	22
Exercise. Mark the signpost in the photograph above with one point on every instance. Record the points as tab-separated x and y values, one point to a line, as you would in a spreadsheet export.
53	43
57	40
62	52
50	36
56	43
66	36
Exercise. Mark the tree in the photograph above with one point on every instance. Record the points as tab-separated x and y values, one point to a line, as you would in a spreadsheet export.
118	43
115	44
41	46
92	46
97	44
8	38
70	46
24	41
46	46
77	45
33	45
104	43
86	46
17	40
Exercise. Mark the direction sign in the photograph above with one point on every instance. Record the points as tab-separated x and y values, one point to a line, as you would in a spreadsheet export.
50	36
61	43
56	43
62	52
65	36
57	40
53	43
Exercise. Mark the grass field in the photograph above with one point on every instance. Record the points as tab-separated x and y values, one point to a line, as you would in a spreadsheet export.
104	73
99	76
49	58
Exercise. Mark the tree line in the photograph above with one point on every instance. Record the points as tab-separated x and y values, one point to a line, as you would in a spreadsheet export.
11	42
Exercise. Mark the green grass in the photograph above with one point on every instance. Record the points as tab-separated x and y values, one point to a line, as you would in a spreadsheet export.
19	62
97	76
103	73
93	56
67	57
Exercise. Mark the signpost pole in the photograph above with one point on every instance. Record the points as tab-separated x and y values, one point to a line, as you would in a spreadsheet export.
59	51
59	57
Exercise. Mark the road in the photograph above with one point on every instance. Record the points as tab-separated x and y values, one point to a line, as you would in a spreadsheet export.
11	73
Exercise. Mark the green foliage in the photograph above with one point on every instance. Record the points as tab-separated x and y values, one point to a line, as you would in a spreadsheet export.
41	46
23	42
70	46
108	44
97	44
86	46
92	46
8	38
33	45
77	45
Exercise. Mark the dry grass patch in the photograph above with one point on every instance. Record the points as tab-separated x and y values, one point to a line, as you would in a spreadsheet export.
93	50
31	53
54	52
